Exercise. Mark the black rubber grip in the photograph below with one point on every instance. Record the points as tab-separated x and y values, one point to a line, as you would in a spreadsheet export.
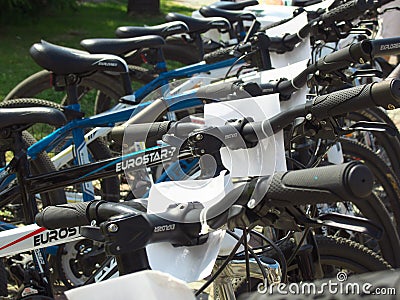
385	94
388	46
347	11
284	44
64	215
329	184
355	53
219	55
147	132
223	91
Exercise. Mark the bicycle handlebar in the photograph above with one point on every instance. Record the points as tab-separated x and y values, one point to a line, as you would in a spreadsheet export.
347	11
328	184
385	93
181	223
356	53
80	213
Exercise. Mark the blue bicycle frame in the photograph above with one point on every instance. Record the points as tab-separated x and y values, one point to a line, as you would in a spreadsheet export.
184	72
113	116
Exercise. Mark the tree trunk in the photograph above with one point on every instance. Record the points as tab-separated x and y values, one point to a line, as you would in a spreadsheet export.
143	6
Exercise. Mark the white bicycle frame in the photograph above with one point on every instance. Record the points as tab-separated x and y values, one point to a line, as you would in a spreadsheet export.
33	237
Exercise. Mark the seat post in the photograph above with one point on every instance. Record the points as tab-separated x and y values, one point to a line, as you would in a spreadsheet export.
161	65
71	82
199	43
240	31
81	154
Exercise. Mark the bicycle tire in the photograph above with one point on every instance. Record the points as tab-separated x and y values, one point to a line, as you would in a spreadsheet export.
41	82
350	251
384	175
390	144
333	251
175	49
3	280
41	165
98	149
185	53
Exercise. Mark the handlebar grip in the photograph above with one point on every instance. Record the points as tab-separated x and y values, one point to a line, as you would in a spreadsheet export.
218	91
64	215
219	55
388	46
355	53
347	11
385	94
285	43
329	184
149	132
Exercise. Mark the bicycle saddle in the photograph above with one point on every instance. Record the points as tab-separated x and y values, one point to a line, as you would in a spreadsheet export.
304	3
163	30
31	115
121	46
234	5
231	15
199	25
63	61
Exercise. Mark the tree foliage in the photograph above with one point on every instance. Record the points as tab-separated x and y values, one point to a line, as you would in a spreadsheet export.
14	10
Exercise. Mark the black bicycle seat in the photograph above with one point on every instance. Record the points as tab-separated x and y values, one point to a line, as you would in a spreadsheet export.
234	5
31	115
200	25
164	30
231	15
122	46
304	3
63	61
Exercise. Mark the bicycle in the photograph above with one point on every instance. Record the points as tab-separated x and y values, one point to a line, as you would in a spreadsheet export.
59	178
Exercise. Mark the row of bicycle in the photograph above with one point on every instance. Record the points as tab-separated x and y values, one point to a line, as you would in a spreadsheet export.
267	159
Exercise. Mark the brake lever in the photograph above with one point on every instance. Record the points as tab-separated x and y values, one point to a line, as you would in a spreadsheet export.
173	140
92	233
353	223
367	73
370	126
337	220
364	31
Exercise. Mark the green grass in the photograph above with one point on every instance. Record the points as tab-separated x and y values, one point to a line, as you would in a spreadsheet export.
66	28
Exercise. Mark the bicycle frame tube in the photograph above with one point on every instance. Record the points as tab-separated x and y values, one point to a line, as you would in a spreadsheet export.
184	72
107	119
177	170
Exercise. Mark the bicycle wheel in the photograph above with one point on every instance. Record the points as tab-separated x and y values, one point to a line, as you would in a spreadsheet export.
344	253
11	283
385	145
106	188
387	185
39	85
336	255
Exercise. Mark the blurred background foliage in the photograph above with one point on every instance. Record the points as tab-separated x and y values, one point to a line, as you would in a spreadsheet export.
17	10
